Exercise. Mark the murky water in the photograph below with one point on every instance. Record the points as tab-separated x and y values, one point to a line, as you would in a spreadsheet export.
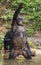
35	61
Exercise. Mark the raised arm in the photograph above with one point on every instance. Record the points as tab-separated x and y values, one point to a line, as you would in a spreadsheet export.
16	15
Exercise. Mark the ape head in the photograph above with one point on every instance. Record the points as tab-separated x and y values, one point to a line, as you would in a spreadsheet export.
19	21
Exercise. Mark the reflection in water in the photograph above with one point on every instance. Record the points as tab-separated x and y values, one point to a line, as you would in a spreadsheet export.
35	61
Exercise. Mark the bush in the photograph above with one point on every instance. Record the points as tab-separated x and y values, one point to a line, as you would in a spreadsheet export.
1	41
29	32
32	45
32	9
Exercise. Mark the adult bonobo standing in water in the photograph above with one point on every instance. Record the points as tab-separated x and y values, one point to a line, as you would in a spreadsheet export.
17	39
20	45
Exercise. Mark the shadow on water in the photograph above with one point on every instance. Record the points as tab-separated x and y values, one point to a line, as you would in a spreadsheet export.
35	61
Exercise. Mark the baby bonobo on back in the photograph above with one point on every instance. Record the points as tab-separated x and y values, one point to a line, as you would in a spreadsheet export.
17	38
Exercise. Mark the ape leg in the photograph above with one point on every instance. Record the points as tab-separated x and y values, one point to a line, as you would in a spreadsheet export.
26	53
13	54
27	45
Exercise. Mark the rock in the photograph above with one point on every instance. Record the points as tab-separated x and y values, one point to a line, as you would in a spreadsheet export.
33	52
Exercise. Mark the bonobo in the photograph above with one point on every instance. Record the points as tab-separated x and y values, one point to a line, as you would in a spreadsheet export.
16	38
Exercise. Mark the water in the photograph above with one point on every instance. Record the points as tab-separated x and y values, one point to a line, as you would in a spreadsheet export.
35	61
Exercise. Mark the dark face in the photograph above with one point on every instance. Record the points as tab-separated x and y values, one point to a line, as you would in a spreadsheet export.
20	22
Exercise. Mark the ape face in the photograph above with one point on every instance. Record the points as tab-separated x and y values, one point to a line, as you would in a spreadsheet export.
20	22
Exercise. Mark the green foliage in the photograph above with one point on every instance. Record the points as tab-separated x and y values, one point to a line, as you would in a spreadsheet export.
1	41
29	32
37	26
32	9
32	45
7	15
7	25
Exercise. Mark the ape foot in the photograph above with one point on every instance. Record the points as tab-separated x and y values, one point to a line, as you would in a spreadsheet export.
13	54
